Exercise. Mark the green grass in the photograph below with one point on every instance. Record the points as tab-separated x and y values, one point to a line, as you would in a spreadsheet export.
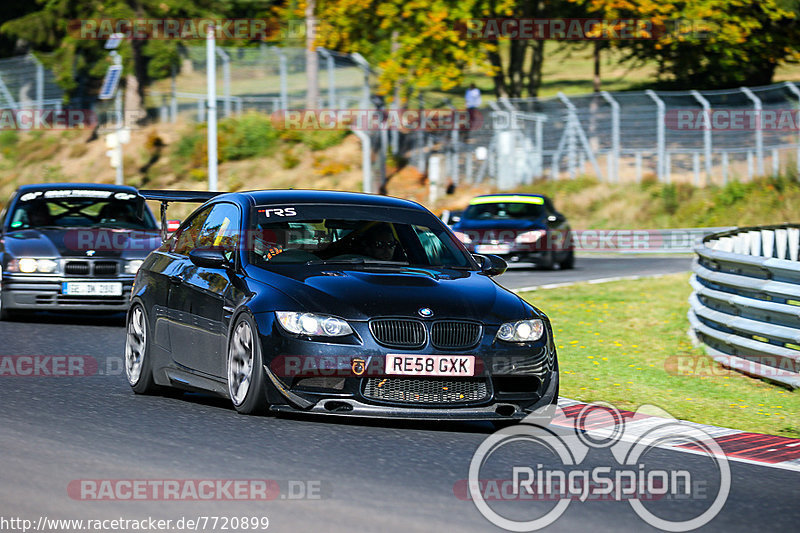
621	343
589	204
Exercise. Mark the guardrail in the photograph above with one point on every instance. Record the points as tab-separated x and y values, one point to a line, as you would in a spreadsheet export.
746	302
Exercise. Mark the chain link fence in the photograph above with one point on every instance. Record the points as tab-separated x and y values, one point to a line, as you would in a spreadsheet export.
26	84
265	79
699	137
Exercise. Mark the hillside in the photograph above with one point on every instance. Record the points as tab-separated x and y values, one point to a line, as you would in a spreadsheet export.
255	156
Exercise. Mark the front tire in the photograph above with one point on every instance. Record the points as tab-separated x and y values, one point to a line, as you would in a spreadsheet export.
569	261
138	363
246	378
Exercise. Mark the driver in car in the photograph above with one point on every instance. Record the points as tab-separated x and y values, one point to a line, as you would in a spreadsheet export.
379	242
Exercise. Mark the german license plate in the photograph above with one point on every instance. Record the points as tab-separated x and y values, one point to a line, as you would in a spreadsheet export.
492	248
430	365
84	288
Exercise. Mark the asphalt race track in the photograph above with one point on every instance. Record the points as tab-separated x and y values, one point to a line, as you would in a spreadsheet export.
592	267
367	475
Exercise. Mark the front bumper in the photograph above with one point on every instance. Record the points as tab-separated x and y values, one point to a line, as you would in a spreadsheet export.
494	411
512	379
44	292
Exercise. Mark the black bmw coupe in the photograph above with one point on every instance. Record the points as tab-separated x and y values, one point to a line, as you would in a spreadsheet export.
334	303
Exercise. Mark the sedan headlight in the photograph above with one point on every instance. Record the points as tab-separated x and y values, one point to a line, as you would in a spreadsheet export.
313	325
521	331
530	237
131	267
29	265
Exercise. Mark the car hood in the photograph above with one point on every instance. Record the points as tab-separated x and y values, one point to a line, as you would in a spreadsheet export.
80	242
363	293
508	224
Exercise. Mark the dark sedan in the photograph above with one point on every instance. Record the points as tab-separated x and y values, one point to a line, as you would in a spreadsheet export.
68	247
519	228
335	303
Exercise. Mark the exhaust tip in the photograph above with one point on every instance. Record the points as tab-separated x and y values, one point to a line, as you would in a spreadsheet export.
505	410
338	407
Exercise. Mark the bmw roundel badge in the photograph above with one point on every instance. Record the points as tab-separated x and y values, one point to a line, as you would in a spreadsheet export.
425	312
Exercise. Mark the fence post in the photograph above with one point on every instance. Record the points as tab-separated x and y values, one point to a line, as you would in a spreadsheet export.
793	88
724	168
759	134
361	62
282	69
706	132
696	168
776	164
638	163
226	79
366	159
613	166
660	133
173	104
39	83
331	80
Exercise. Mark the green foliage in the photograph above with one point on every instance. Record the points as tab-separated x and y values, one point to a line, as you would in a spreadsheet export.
710	43
251	135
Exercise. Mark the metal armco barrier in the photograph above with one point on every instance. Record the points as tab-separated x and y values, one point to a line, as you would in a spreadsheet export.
746	302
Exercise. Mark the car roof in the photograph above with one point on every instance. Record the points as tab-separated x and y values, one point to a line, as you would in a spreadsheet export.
89	186
295	196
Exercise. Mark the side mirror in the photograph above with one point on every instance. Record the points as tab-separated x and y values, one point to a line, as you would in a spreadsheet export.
208	258
558	217
491	265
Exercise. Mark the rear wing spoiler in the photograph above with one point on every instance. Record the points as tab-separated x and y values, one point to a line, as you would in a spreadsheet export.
165	197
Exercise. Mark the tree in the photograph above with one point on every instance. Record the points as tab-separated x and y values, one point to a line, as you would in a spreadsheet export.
79	63
710	43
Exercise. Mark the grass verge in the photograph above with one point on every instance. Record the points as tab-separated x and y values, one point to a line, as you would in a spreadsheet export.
622	342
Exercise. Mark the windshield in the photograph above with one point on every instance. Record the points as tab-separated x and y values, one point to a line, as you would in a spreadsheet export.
351	235
82	209
504	211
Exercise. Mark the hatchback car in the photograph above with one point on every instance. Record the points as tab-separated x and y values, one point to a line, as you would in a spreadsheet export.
72	247
334	303
519	228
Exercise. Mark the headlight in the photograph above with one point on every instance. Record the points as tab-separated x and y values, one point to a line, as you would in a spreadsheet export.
463	237
28	265
131	267
521	331
313	325
530	237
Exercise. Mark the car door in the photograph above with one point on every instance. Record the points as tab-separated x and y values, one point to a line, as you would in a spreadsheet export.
200	296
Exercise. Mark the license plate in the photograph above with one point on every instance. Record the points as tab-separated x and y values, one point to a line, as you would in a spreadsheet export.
492	248
83	288
430	365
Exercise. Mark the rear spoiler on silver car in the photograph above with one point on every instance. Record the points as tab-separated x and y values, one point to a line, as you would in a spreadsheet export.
165	197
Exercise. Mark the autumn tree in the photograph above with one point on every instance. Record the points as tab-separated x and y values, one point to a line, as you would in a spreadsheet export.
710	43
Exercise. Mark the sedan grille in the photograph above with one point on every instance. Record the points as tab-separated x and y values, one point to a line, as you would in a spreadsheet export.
426	391
77	268
105	268
453	334
398	332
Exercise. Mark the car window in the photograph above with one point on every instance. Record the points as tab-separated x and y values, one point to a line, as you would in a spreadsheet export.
504	210
221	229
80	208
186	238
276	240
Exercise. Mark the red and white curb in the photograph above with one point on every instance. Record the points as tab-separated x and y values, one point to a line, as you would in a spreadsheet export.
741	446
